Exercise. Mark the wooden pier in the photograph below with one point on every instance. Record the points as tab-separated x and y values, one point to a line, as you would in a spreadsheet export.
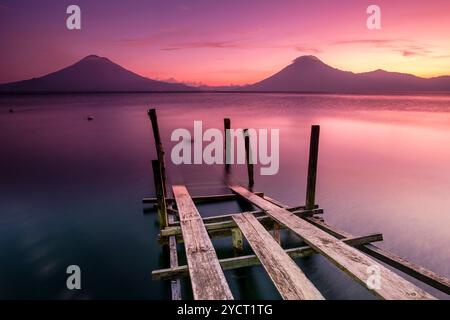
180	222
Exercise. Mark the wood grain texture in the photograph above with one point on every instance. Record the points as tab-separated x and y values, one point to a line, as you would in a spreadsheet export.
348	259
423	274
207	278
287	277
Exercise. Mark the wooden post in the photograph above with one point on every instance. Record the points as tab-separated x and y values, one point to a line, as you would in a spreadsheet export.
251	181
175	284
312	167
159	146
227	126
160	195
277	232
238	242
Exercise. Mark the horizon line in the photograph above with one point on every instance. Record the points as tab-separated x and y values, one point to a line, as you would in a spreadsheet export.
200	85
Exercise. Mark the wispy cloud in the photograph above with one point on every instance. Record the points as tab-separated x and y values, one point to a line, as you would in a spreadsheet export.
174	39
376	42
204	45
310	50
409	51
407	48
240	44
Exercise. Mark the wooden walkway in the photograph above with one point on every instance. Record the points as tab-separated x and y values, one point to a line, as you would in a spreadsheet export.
181	222
207	278
348	259
290	281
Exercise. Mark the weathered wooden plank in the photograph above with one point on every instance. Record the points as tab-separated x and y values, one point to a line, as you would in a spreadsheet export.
348	259
207	278
201	199
252	260
287	277
223	224
219	232
274	201
259	213
425	275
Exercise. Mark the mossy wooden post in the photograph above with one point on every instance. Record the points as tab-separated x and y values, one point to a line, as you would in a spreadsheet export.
312	167
238	242
159	146
160	195
248	158
227	145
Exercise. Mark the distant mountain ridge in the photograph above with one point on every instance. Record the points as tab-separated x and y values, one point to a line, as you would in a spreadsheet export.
304	74
310	74
92	74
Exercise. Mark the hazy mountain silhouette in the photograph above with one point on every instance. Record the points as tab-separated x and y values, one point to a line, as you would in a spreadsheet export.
305	74
309	74
93	74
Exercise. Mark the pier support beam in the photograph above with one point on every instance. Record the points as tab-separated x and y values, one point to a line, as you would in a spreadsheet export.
238	241
227	144
277	232
160	194
158	146
312	167
175	284
248	159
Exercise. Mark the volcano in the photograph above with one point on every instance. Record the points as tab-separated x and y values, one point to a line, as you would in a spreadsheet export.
310	74
92	74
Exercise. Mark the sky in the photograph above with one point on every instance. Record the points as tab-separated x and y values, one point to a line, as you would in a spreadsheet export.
224	42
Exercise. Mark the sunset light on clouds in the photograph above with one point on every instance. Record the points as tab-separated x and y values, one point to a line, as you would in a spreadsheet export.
224	42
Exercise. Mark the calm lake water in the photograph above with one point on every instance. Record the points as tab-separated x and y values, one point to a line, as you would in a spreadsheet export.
71	189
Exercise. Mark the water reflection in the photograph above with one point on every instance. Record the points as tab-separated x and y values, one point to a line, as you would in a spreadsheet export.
71	189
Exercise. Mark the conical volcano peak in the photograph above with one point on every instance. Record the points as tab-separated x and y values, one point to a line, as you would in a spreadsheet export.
93	58
93	73
307	59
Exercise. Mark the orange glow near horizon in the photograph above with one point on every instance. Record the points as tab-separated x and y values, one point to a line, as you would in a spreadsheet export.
200	42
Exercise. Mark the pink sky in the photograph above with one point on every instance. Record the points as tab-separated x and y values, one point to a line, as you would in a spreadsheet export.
224	42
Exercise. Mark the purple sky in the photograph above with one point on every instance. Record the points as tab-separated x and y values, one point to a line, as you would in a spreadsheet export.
224	42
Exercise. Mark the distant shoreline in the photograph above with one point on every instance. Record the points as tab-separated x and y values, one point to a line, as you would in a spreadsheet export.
48	93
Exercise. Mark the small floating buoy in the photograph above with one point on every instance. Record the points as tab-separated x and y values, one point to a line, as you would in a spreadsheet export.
90	118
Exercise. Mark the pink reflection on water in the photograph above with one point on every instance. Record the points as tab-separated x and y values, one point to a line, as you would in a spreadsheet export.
391	177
